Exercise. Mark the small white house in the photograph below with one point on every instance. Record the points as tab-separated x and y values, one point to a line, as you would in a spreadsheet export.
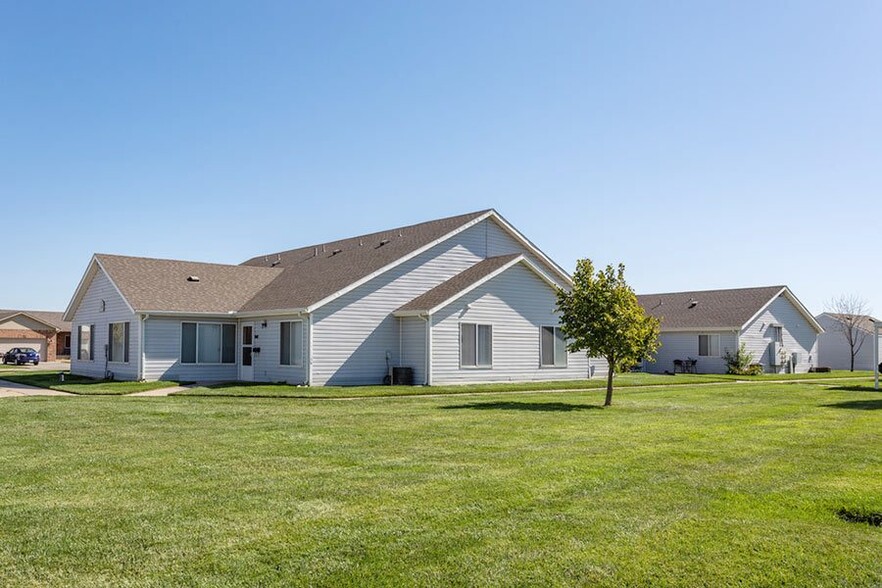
834	350
699	328
456	300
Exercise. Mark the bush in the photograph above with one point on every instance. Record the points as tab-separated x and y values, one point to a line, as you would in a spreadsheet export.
755	369
741	363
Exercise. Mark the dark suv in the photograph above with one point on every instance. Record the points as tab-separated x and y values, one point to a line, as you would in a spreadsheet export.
21	355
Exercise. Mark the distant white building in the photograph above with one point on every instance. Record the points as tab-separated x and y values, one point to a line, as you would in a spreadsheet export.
833	348
699	328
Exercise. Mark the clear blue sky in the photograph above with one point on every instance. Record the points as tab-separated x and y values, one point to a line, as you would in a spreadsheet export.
703	144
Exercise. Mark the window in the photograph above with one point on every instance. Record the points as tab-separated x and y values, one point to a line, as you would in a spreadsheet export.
709	346
475	345
778	334
85	345
208	343
552	347
66	344
118	342
291	343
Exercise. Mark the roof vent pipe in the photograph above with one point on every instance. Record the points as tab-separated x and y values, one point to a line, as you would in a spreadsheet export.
192	278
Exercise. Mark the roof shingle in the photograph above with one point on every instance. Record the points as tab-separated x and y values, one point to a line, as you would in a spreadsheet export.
162	285
707	309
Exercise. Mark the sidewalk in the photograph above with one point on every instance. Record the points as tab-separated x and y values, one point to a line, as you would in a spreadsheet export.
10	389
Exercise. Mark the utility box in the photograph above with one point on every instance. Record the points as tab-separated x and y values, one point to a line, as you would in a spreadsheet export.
402	376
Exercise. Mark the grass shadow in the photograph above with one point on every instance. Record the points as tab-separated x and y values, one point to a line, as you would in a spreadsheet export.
527	406
853	388
857	404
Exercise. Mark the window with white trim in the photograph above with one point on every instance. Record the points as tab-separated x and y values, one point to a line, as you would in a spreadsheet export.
118	342
475	345
291	343
552	347
85	345
709	346
208	343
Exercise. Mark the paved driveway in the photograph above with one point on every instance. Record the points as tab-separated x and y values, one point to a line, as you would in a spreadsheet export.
46	365
9	389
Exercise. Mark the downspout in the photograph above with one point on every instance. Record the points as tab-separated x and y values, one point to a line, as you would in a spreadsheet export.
428	319
142	355
309	353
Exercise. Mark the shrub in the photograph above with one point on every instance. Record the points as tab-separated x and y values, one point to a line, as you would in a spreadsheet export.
741	362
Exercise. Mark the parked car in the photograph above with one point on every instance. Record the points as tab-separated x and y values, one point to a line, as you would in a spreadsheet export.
21	355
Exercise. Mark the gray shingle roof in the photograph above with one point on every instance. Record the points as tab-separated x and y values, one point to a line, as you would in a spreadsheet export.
707	309
47	316
461	281
313	273
161	284
285	280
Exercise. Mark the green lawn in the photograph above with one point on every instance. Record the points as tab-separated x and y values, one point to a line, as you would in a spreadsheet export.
715	486
622	380
80	384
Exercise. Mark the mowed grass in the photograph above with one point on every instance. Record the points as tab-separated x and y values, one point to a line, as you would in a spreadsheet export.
714	486
621	381
80	384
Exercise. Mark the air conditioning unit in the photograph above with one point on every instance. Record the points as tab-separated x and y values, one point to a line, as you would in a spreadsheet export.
774	354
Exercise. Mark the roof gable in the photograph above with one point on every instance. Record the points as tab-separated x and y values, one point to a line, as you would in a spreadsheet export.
464	282
52	319
864	322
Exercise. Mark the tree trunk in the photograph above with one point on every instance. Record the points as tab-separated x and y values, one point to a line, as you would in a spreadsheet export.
852	360
609	387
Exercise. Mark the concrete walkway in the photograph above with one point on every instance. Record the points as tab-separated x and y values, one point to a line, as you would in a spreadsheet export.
161	391
10	389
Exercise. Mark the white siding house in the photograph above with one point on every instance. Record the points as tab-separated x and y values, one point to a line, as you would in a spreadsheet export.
834	350
337	313
700	328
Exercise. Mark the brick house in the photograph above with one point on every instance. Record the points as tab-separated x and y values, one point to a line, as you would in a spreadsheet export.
42	330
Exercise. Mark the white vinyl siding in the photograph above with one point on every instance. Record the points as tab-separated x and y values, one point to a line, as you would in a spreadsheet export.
834	351
797	333
552	347
517	303
413	346
102	294
354	333
266	363
685	345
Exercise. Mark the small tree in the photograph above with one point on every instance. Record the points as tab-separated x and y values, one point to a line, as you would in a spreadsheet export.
601	316
851	312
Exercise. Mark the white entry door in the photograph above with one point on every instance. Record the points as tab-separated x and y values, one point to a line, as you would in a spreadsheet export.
246	367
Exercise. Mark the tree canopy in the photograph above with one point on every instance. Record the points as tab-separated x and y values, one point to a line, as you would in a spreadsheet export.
601	316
